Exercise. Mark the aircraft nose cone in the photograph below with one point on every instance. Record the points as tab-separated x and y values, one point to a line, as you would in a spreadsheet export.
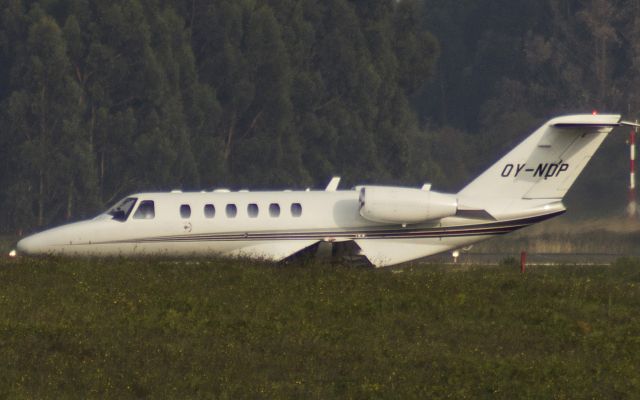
57	240
29	245
39	243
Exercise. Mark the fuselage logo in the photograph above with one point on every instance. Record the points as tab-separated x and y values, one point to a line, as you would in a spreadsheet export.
542	170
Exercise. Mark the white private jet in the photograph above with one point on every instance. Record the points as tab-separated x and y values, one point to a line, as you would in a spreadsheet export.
387	225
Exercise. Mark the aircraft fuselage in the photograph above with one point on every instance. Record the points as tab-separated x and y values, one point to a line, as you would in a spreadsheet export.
387	225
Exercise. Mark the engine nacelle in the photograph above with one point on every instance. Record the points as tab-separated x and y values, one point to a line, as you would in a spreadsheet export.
405	205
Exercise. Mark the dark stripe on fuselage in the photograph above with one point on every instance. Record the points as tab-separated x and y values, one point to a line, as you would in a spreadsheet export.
484	229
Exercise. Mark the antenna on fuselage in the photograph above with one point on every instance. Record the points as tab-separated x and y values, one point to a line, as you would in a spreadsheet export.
333	184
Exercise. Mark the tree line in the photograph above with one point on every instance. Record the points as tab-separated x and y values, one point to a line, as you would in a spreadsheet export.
99	99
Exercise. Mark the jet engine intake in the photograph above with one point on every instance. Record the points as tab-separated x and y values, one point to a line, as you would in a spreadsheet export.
397	205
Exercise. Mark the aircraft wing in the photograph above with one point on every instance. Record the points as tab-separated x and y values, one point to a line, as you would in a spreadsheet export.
389	252
273	250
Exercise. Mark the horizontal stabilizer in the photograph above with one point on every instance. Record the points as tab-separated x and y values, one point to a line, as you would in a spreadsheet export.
584	126
273	250
586	121
474	214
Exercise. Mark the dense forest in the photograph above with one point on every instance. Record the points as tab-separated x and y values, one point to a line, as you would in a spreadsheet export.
102	98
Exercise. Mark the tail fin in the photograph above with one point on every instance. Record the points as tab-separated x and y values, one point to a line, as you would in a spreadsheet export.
544	165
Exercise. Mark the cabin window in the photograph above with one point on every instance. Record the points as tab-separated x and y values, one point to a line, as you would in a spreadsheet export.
185	211
274	210
231	210
209	211
252	210
120	212
296	209
146	210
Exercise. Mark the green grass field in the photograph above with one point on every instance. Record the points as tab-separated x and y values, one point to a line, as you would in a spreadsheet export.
112	328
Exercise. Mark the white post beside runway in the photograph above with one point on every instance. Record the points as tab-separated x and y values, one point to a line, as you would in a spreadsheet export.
632	205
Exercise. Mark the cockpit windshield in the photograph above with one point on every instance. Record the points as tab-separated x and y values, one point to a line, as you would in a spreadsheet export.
122	209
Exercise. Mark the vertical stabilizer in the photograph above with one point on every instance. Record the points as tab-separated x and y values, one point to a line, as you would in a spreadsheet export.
544	165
